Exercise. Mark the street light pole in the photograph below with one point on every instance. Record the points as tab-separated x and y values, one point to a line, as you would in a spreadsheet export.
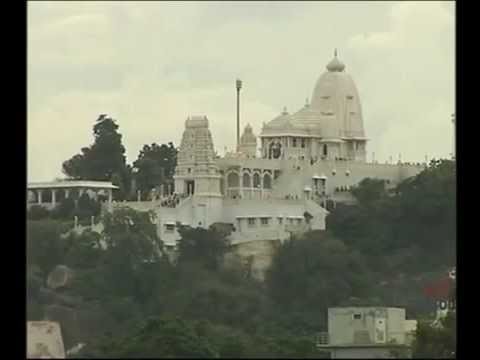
238	86
454	135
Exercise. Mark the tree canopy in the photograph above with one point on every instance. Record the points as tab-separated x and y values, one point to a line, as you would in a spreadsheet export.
104	160
436	341
194	306
155	165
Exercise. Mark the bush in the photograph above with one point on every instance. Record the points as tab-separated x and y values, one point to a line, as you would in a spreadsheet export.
37	212
64	210
87	207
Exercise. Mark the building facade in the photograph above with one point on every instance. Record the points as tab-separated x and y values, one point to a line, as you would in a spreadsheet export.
367	333
304	161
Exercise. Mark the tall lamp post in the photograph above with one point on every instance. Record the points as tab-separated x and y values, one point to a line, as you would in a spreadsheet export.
454	135
238	86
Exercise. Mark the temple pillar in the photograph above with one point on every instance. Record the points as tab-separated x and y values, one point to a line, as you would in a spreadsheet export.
54	197
110	196
261	186
67	193
39	192
241	185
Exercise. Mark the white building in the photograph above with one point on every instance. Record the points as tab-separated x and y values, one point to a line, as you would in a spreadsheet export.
367	333
306	159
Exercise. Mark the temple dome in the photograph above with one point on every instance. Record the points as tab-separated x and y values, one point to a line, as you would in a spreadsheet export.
334	112
336	97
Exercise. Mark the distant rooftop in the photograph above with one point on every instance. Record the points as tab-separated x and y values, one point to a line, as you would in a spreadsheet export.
72	184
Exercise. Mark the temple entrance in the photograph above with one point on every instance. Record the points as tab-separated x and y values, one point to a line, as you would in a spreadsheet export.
275	150
190	185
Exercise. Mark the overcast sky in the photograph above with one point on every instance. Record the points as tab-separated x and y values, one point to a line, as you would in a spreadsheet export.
151	64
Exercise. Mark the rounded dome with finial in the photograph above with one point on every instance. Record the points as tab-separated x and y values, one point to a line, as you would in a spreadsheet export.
333	112
335	64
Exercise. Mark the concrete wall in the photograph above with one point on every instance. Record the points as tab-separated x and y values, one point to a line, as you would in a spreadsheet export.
338	173
44	340
345	329
396	325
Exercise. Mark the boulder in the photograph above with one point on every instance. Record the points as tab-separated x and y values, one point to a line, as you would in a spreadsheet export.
60	277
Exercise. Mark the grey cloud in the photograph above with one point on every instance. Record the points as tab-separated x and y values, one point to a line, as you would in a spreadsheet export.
151	64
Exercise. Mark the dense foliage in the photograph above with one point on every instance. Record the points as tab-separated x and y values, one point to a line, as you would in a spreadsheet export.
104	160
155	165
193	306
436	341
66	209
416	221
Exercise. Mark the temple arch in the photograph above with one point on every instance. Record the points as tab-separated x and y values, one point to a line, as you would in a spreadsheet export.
256	180
233	180
246	181
267	181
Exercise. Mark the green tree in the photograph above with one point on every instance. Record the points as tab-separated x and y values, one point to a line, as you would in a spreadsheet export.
104	160
83	250
37	212
207	246
87	207
316	272
64	210
45	247
155	165
419	218
369	190
160	338
132	241
436	342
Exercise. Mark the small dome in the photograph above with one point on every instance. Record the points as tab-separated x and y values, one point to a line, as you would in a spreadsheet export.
280	122
335	64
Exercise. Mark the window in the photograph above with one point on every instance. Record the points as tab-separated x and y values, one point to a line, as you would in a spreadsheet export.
264	221
299	221
251	221
325	150
303	143
357	316
169	228
267	181
280	220
294	142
